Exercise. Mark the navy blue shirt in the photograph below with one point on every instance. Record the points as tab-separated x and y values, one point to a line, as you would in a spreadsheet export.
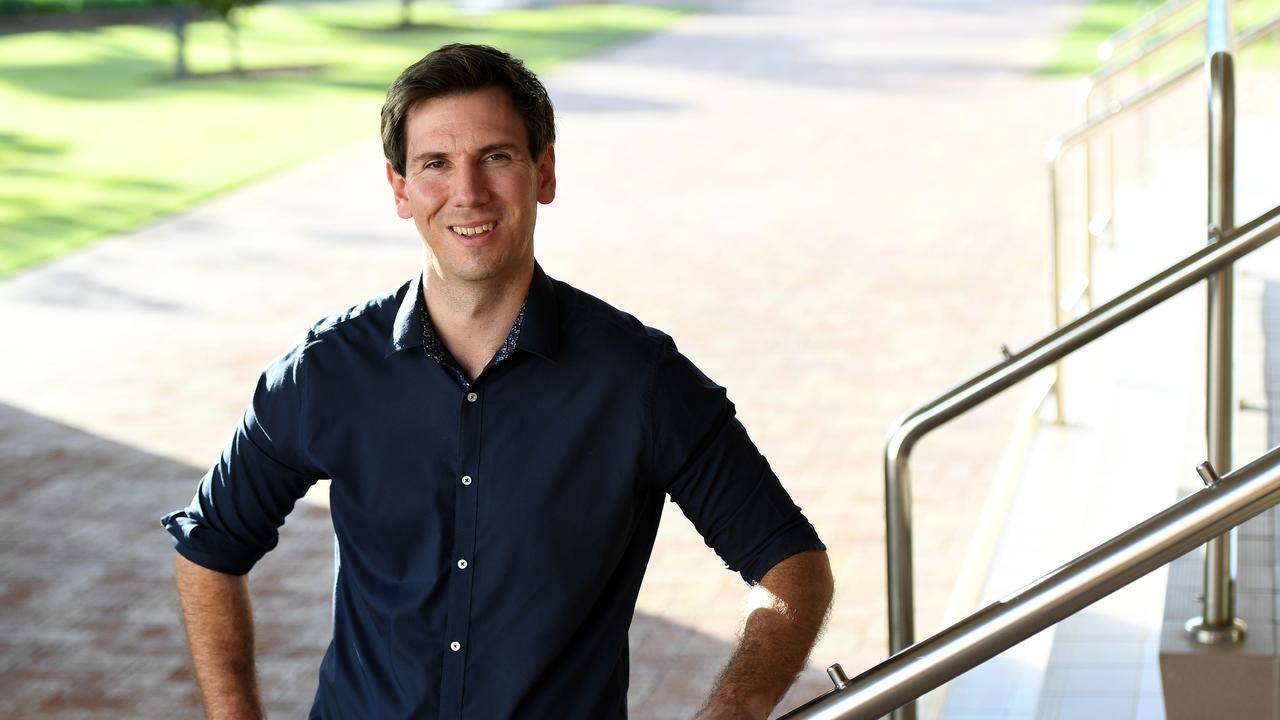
491	535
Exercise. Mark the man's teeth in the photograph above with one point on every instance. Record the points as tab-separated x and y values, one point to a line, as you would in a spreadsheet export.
472	230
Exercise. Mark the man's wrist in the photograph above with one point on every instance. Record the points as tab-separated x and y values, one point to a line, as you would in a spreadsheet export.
737	708
243	707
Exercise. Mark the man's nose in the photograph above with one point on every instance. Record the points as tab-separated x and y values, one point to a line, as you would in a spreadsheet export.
469	187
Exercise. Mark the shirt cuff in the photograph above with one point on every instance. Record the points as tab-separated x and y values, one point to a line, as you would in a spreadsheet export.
796	539
194	543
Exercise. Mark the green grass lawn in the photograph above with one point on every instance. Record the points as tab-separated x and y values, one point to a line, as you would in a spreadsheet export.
96	137
1077	52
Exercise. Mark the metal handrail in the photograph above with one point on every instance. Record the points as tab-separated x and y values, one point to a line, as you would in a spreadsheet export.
1111	70
1101	223
1048	350
1055	346
1217	621
1147	25
1224	503
1059	144
1065	303
1099	80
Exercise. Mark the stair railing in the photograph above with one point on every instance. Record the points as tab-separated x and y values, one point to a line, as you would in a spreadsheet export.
1226	244
1146	26
1098	90
1222	504
1072	293
1214	258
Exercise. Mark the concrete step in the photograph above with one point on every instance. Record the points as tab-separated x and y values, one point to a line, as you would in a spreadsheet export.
1134	433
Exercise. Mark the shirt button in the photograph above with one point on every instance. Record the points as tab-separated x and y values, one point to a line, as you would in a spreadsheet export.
462	564
455	646
466	479
472	397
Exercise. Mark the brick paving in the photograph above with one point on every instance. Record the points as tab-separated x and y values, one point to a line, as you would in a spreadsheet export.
837	209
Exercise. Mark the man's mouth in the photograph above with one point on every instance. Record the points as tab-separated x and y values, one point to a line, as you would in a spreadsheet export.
473	230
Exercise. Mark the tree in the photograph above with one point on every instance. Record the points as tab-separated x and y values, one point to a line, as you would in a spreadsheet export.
180	39
226	11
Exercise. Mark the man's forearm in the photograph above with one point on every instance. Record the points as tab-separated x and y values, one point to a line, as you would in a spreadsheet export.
219	622
789	608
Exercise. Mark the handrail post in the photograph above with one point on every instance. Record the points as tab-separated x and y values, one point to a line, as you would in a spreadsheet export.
897	488
1063	341
895	683
1090	202
1218	622
1233	243
1055	221
1059	145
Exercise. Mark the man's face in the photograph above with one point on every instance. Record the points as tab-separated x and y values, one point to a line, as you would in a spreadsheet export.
471	187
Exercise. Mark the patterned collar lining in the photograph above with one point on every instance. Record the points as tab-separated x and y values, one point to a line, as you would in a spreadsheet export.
437	351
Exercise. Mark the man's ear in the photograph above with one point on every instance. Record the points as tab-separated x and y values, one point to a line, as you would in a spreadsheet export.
547	175
397	182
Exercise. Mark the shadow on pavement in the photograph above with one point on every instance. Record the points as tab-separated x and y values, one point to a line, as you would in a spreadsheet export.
68	288
796	62
89	620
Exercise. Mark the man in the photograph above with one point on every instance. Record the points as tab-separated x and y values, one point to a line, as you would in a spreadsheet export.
499	445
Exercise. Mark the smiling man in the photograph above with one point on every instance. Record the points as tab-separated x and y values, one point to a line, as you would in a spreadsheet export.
500	445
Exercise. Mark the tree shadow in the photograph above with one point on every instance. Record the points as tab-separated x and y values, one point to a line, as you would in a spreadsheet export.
581	102
256	72
75	289
109	74
91	621
116	74
16	147
798	62
39	229
85	19
392	29
41	225
113	72
90	617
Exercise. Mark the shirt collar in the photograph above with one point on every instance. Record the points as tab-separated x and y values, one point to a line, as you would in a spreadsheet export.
539	333
406	332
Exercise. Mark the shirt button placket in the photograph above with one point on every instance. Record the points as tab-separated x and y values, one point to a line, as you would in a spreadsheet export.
464	544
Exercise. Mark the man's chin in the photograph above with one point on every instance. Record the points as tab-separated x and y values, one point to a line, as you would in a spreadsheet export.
478	273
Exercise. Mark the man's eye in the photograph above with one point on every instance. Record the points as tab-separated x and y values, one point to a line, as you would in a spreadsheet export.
434	165
498	157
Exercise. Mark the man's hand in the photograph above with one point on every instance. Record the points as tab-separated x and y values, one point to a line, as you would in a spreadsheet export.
219	621
788	609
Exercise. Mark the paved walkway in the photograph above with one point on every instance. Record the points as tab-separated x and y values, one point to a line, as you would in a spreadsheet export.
838	209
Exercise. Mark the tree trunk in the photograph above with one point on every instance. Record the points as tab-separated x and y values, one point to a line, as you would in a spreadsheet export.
405	19
233	39
180	40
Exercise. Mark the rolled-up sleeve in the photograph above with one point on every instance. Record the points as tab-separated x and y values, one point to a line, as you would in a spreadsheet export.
701	456
241	503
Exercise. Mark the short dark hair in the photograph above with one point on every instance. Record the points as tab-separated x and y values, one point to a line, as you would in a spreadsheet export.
462	68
